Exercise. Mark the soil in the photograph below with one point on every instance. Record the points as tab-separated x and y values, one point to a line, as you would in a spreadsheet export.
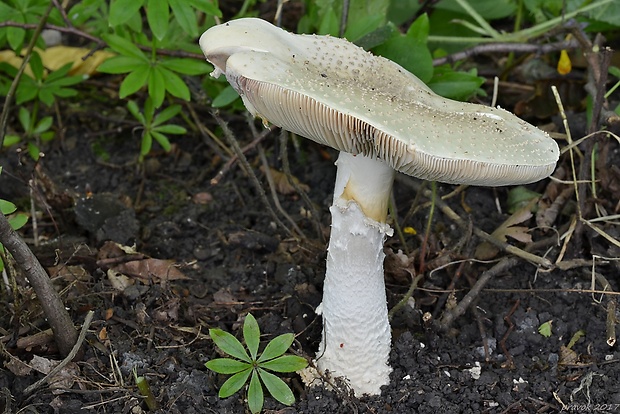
235	259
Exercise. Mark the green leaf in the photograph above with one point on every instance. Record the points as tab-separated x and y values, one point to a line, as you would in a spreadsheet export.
576	337
226	97
277	388
186	66
120	64
134	81
146	144
124	47
545	329
24	118
206	6
158	14
46	96
135	111
11	140
43	125
170	129
234	383
162	140
227	365
419	29
36	65
255	394
15	36
123	10
61	73
6	207
519	197
166	114
174	84
185	16
251	335
454	85
285	363
363	26
157	86
411	50
27	90
33	151
277	346
229	344
63	92
18	221
149	111
47	136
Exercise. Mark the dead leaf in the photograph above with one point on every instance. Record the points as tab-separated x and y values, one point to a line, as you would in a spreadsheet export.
224	296
63	379
118	280
125	263
508	228
151	270
283	186
18	367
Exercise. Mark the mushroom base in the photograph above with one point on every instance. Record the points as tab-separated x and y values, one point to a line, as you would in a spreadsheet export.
356	332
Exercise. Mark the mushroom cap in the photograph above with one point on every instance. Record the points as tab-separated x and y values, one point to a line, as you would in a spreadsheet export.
335	93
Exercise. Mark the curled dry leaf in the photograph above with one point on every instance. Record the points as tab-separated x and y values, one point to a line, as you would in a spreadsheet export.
124	262
151	270
508	228
283	186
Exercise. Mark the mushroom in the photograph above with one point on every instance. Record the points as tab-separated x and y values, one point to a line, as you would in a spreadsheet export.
382	119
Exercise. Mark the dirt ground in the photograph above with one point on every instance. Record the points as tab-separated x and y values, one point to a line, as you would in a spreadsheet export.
231	258
235	260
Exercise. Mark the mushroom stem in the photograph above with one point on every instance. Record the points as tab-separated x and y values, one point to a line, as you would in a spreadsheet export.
356	338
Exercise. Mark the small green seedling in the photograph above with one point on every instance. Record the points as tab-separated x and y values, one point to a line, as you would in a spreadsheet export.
545	329
253	366
155	126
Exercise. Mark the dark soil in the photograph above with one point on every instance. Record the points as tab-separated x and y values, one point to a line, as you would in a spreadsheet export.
88	190
492	359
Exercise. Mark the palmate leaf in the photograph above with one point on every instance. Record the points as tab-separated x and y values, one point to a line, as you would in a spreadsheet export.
124	47
276	347
285	363
227	365
170	129
276	387
234	383
120	64
146	144
185	16
255	394
158	14
123	10
186	66
157	86
229	344
162	140
251	335
174	84
134	81
166	114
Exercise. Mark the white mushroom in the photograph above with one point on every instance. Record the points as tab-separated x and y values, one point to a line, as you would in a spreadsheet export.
382	119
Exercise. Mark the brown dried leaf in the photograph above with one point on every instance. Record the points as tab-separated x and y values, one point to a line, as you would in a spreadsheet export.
508	228
151	270
283	186
118	280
